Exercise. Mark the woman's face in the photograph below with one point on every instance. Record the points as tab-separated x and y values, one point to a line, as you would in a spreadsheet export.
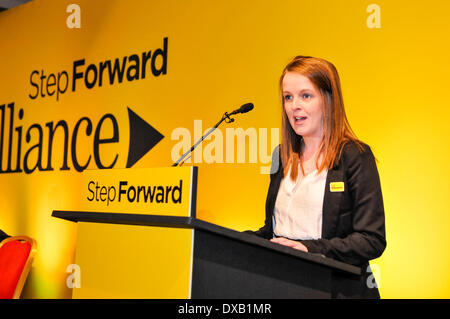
303	105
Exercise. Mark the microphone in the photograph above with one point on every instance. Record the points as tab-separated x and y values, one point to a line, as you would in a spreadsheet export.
226	117
243	109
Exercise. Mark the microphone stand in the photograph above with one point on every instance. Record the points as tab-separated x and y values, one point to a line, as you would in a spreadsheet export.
226	117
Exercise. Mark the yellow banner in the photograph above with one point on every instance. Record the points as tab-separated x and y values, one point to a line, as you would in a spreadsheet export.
113	85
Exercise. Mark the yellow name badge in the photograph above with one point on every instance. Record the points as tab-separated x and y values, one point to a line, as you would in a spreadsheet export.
168	191
337	187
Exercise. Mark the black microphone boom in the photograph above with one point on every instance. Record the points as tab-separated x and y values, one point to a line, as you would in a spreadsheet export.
226	117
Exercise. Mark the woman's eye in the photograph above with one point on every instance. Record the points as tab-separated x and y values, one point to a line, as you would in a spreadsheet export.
288	97
306	96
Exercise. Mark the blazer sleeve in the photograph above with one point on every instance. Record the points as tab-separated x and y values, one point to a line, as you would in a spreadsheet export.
367	239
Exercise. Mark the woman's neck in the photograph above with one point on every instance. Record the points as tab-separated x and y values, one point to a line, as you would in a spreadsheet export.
310	147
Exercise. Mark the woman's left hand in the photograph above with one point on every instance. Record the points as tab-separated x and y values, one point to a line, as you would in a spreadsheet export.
290	243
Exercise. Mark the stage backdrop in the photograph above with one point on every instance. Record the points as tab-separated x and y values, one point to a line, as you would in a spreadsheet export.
131	84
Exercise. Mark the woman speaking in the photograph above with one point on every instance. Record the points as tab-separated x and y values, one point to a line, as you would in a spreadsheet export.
324	195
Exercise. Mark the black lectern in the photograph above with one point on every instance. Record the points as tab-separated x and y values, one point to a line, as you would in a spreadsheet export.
208	261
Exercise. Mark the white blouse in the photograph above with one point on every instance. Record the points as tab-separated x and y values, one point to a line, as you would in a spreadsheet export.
298	208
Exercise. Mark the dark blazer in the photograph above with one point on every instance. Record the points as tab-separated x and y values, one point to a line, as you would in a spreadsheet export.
353	228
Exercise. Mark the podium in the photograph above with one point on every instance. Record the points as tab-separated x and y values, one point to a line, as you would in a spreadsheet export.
151	256
122	251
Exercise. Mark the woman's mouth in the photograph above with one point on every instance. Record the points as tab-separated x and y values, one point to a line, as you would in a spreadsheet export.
299	119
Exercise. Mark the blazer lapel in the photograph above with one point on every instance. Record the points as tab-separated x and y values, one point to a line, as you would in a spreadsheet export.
331	202
273	193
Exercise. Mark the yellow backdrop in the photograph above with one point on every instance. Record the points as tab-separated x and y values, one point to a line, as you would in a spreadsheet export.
393	62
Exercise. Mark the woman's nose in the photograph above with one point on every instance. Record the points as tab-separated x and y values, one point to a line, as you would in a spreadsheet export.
297	104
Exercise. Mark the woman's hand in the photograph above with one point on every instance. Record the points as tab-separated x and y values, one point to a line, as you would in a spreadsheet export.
290	243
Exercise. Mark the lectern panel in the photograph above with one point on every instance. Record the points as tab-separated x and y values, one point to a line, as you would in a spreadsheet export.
228	268
169	191
125	261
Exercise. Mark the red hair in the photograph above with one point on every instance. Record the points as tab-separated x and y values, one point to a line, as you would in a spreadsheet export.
336	128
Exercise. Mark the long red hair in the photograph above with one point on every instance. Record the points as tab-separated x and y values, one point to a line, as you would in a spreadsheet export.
336	128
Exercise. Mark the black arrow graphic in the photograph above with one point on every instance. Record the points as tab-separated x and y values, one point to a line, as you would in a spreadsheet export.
143	137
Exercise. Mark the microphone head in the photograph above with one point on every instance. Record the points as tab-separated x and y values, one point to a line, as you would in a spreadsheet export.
246	108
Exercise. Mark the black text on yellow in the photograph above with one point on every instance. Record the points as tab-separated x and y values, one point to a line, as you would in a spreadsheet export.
135	193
